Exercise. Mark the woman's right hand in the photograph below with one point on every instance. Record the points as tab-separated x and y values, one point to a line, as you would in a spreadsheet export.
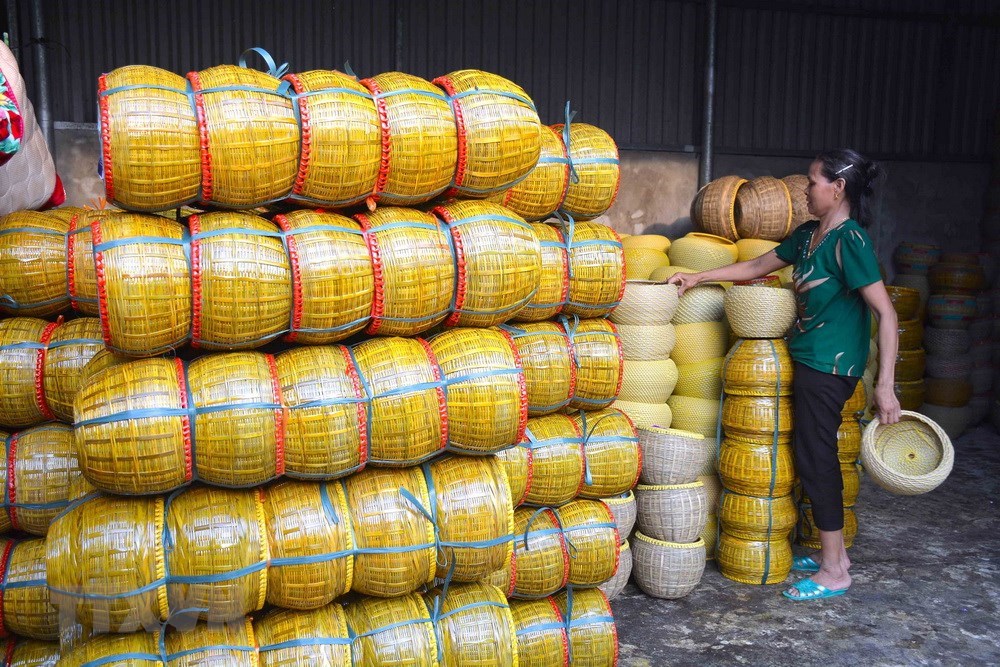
684	281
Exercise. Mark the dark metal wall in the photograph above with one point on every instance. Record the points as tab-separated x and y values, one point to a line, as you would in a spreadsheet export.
898	78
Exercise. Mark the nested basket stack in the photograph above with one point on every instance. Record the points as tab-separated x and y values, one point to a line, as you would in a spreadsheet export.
763	208
911	357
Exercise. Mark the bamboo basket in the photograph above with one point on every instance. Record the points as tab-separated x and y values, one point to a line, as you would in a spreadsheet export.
947	392
474	626
946	342
592	534
553	281
911	334
614	586
35	288
556	473
487	399
754	561
499	262
597	354
341	139
641	262
235	106
667	570
541	192
623	508
596	271
653	241
26	609
698	415
645	415
748	249
651	381
386	631
150	139
333	282
808	533
851	475
671	456
593	637
70	347
700	341
23	352
672	513
414	271
702	252
546	355
700	380
31	653
956	278
910	365
760	312
758	367
611	451
910	457
310	539
849	441
114	649
755	518
762	419
419	139
230	643
955	366
539	566
710	536
763	209
595	170
910	394
905	301
517	463
408	413
713	208
797	184
915	258
542	637
647	343
700	304
857	402
950	311
289	637
499	138
474	516
646	303
766	471
81	272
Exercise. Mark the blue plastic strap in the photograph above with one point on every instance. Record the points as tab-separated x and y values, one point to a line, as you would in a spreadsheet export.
138	240
409	91
30	230
75	341
489	218
312	641
272	69
313	559
321	91
328	508
204	649
123	658
114	596
566	142
26	345
597	160
491	91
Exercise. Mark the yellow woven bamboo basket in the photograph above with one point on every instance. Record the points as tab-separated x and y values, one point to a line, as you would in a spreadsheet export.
763	209
857	402
542	638
702	252
851	474
516	463
911	334
652	241
614	586
700	380
641	262
754	561
553	282
26	608
474	515
667	570
646	303
72	345
956	278
499	260
546	355
808	535
333	282
81	272
341	139
408	415
757	418
325	417
292	637
710	536
540	565
611	452
597	354
766	471
229	643
947	392
758	368
651	381
698	415
756	518
36	287
797	184
760	312
238	169
596	269
646	343
905	301
414	271
910	394
713	208
31	653
105	649
22	362
310	539
474	626
748	249
395	545
541	192
910	365
392	630
121	596
499	139
672	512
595	170
150	139
40	476
849	441
645	415
143	317
419	139
623	508
556	460
593	637
700	304
699	341
591	531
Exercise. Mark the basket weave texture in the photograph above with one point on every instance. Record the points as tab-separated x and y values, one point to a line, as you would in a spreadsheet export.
713	208
624	509
905	301
763	209
756	469
553	282
754	561
644	343
542	637
593	637
700	304
797	184
546	355
596	269
700	380
646	303
672	513
650	381
597	354
760	312
556	460
27	608
700	341
698	415
910	457
946	342
473	625
757	518
951	311
614	586
593	156
671	456
758	367
667	570
541	192
612	455
318	636
702	252
763	419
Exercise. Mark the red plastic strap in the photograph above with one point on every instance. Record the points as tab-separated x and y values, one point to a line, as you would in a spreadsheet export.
442	400
4	564
621	356
522	386
352	374
305	126
102	287
102	100
40	356
12	484
378	273
461	279
185	420
463	141
531	475
614	196
280	416
206	154
293	258
194	222
565	633
70	263
383	118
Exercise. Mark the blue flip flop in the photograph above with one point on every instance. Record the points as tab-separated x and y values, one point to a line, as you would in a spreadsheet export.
810	590
804	564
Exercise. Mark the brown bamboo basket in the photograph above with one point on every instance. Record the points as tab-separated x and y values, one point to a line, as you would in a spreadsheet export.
910	365
541	192
808	533
624	509
757	418
228	643
593	636
614	586
651	381
341	139
763	209
596	269
699	341
671	456
703	303
797	184
905	301
713	208
645	415
646	302
70	347
710	536
546	355
702	379
702	252
667	570
553	279
474	516
408	414
946	342
395	545
556	472
31	653
756	469
141	316
849	441
592	536
474	626
911	334
672	512
756	518
150	139
951	311
947	392
283	637
487	398
414	271
22	363
593	157
499	140
121	596
238	169
611	453
759	311
333	282
26	607
645	343
311	542
956	278
392	630
754	561
758	367
540	565
113	647
542	638
597	353
516	463
81	272
698	415
35	288
499	260
910	394
419	139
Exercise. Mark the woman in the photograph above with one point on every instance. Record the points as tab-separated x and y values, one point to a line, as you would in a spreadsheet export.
837	285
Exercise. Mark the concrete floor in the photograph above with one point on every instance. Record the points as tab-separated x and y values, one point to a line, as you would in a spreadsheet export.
926	590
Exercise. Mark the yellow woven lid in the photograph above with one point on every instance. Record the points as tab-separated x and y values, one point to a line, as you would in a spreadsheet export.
697	484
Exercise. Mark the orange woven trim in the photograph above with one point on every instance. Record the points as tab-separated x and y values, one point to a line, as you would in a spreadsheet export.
565	633
522	386
70	264
442	400
512	586
462	283
565	548
185	420
12	484
352	374
621	356
378	274
463	141
102	100
571	351
383	118
206	153
279	416
102	287
194	222
564	296
293	258
43	405
305	153
4	564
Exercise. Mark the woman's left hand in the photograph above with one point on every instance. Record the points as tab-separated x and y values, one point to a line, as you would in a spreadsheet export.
886	404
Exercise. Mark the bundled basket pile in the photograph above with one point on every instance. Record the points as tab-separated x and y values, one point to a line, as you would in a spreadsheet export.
763	208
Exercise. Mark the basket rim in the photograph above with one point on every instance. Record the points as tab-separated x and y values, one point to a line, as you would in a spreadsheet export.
662	430
700	542
947	449
623	499
670	487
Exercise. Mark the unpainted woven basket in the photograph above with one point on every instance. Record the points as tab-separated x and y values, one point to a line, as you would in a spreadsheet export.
758	367
809	535
756	469
646	303
667	570
473	625
946	342
597	354
672	513
546	355
700	380
542	638
949	366
556	461
702	252
611	452
763	419
754	561
797	184
27	608
596	269
541	192
645	415
624	509
672	456
593	155
400	627
757	518
763	209
593	637
614	586
703	303
589	526
911	457
651	381
647	342
296	637
713	208
699	415
760	312
641	262
699	341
